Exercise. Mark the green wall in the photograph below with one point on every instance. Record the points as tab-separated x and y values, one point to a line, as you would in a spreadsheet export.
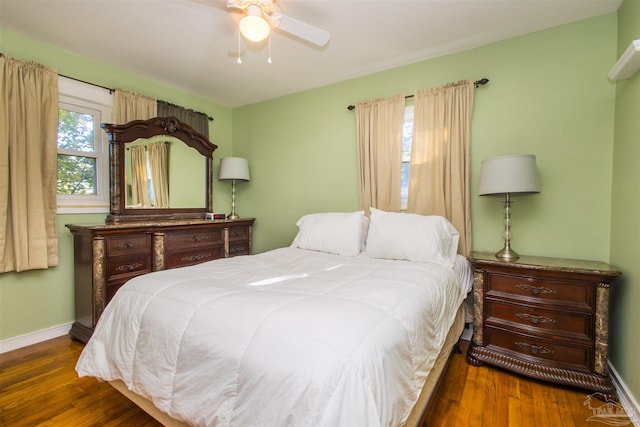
625	211
35	300
548	95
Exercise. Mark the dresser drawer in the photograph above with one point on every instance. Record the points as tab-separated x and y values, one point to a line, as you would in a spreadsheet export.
193	239
184	258
238	233
542	291
238	248
121	269
129	244
537	350
538	320
112	288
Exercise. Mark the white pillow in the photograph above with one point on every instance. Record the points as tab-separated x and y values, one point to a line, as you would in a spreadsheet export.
412	237
333	232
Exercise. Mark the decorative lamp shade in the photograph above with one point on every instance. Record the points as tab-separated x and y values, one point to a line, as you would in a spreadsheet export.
509	174
234	169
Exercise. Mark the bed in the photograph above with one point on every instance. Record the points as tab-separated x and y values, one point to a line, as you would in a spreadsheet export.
350	326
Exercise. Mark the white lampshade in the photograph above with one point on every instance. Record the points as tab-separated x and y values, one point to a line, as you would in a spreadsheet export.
253	26
234	168
509	174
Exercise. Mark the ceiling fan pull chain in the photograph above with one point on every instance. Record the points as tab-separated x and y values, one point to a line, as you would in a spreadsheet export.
239	60
269	58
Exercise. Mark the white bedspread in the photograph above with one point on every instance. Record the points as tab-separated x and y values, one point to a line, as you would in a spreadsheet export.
285	338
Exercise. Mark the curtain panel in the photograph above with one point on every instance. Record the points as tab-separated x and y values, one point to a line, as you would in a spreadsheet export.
130	106
157	152
440	156
379	141
139	182
198	121
28	165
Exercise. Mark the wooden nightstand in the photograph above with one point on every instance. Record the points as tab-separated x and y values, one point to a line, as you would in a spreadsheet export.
545	318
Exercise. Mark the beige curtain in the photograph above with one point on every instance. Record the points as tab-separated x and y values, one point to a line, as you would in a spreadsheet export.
28	165
130	106
139	182
158	163
440	160
379	138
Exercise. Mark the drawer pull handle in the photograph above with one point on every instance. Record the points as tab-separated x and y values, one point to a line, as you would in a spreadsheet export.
536	290
126	245
533	349
196	238
129	267
535	319
192	258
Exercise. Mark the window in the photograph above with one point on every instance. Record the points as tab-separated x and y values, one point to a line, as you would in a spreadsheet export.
407	135
83	169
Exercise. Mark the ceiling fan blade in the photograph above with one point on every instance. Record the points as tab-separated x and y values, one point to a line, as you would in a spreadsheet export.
300	29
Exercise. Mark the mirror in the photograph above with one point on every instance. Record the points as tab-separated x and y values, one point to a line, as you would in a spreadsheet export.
172	174
175	184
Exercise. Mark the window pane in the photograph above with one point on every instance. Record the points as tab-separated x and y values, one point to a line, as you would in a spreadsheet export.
404	189
407	135
75	131
76	175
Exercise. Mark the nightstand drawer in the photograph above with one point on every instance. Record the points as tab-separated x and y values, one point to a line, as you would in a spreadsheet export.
191	239
543	291
535	349
538	320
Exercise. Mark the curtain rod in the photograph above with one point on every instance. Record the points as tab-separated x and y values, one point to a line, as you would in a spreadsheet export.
483	81
111	90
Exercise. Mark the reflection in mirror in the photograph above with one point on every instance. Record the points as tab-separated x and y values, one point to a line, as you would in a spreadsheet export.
164	172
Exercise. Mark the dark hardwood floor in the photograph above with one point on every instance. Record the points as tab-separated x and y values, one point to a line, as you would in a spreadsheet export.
39	387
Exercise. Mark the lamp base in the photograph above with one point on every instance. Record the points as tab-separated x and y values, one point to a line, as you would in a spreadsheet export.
233	216
507	254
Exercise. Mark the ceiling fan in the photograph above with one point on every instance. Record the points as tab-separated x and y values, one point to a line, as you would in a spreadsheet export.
260	17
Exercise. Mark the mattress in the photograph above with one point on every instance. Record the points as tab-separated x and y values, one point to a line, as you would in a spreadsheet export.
287	337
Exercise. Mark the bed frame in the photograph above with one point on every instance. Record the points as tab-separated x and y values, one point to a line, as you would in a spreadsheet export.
416	418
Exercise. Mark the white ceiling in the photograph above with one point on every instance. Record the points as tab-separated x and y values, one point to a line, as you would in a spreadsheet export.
193	44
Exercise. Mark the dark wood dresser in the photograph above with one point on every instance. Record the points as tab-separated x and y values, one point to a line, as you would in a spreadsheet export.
106	256
545	318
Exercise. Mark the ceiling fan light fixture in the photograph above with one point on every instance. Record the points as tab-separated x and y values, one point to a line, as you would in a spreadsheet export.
254	27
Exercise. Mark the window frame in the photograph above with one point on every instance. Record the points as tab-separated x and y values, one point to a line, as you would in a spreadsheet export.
85	98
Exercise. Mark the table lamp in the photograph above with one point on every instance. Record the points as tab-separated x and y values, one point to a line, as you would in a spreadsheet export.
508	175
233	169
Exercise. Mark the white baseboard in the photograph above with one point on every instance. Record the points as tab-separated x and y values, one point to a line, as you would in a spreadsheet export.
627	400
34	337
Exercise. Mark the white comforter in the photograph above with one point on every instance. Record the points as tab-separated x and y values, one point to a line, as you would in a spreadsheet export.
285	338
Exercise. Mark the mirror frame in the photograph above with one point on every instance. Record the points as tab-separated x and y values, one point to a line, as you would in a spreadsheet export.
120	135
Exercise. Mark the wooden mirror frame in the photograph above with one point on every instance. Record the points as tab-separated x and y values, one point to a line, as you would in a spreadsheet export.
120	135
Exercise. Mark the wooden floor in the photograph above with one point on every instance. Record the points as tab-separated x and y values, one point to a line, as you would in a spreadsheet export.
39	387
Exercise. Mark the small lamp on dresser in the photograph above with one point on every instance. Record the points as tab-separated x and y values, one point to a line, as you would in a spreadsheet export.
233	169
507	175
